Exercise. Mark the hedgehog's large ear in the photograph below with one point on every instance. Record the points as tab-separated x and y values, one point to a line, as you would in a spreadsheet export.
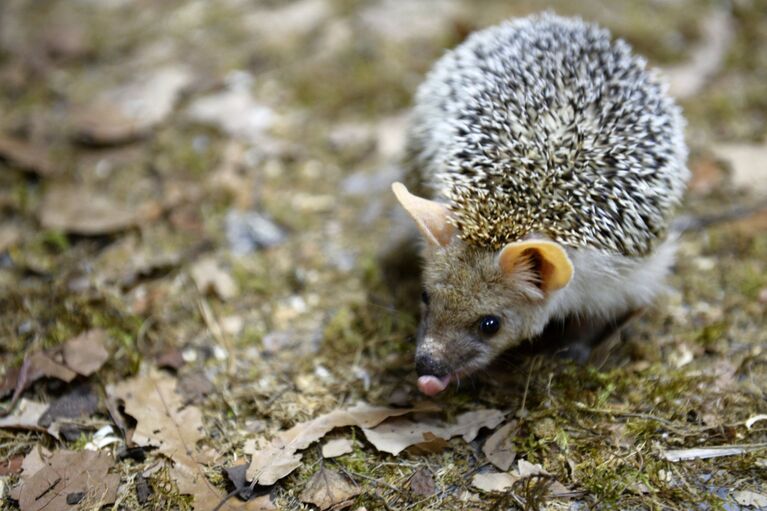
430	216
550	266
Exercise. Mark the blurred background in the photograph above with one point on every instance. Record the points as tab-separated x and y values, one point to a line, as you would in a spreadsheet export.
211	180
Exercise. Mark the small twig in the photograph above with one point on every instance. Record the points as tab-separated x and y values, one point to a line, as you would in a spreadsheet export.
619	413
49	488
215	329
21	385
227	497
370	478
527	386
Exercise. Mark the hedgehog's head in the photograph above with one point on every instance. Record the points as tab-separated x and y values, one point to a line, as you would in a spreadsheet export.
477	302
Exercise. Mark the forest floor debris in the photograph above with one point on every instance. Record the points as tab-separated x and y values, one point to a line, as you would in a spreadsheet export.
199	276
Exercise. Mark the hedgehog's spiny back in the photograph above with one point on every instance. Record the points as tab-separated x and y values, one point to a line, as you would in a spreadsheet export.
545	125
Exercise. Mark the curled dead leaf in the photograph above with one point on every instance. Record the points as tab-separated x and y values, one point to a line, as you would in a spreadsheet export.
25	415
209	276
163	421
26	156
86	353
66	473
750	498
89	213
132	110
36	365
493	481
279	458
502	481
235	111
337	447
328	488
422	482
395	436
499	447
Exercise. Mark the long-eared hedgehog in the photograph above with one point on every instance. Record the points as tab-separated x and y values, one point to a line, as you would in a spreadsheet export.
554	159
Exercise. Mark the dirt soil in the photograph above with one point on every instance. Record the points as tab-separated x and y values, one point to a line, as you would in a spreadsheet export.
197	194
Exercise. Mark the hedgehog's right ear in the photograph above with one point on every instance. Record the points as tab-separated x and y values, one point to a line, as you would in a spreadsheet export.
430	216
545	262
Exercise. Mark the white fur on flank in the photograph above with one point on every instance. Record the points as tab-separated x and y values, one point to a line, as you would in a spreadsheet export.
607	285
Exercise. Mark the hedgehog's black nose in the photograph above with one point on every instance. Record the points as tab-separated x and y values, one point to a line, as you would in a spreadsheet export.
426	365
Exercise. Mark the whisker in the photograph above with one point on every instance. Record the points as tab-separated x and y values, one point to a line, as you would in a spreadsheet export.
387	308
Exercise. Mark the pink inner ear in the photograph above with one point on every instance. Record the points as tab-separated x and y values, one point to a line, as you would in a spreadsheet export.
549	268
524	271
431	217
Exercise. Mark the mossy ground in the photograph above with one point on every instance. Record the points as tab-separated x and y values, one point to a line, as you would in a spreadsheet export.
687	374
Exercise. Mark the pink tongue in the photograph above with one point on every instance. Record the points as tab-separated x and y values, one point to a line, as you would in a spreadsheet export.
431	385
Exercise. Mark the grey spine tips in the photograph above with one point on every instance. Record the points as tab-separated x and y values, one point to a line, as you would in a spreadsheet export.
547	125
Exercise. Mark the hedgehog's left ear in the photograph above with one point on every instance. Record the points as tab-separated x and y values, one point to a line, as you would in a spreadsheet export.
430	216
547	260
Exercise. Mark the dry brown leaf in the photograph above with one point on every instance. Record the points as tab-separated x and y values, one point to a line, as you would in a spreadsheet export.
132	110
37	365
395	436
337	447
26	156
750	499
194	386
262	503
328	488
163	421
431	444
494	481
80	476
527	469
8	383
11	466
85	354
25	415
42	365
279	458
80	211
748	164
502	481
422	482
33	461
499	447
209	276
9	236
236	112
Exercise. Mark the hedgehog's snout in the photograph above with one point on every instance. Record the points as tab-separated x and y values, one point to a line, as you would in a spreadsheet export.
426	365
433	374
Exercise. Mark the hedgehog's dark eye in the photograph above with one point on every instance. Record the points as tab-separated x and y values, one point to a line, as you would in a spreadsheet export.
489	325
425	298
